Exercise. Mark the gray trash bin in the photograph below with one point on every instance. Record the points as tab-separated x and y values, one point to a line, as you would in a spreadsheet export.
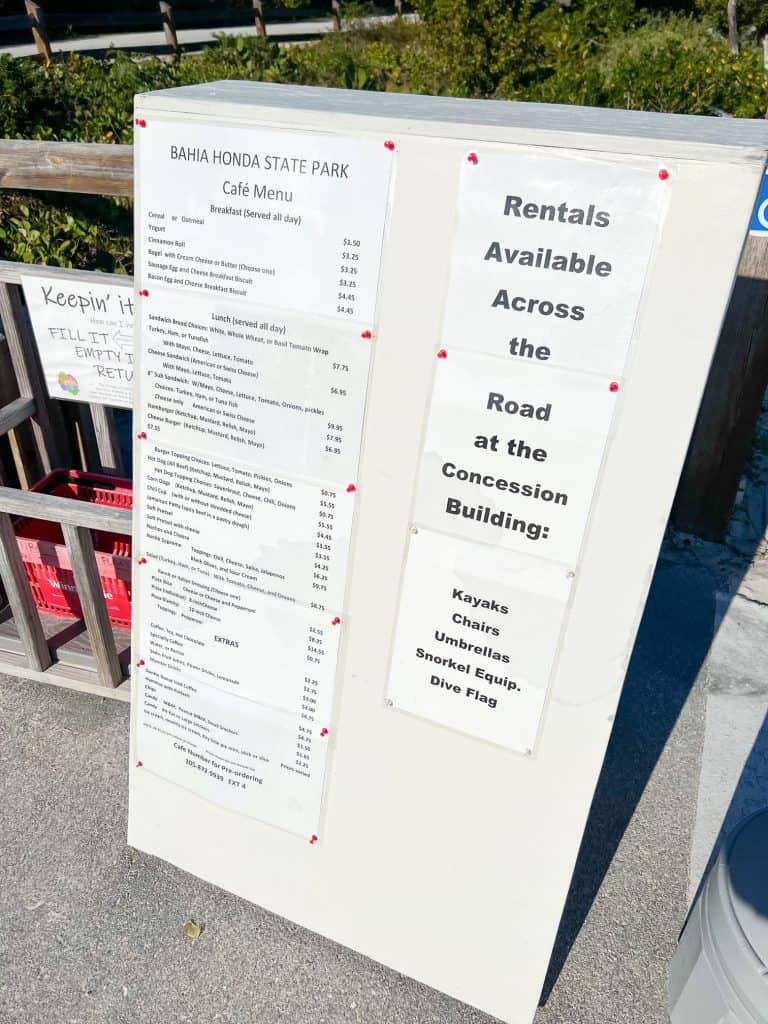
719	974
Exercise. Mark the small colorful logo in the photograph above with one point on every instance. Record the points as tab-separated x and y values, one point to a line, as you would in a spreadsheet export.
69	383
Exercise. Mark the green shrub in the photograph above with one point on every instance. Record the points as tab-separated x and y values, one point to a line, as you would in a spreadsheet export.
676	65
63	231
682	67
594	53
752	15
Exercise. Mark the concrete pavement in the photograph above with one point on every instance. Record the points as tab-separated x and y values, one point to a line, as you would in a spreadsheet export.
90	930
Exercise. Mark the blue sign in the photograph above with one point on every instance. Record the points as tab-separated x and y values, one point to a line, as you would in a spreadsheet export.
759	225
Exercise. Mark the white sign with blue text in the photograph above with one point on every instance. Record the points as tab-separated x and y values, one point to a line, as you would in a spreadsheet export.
84	335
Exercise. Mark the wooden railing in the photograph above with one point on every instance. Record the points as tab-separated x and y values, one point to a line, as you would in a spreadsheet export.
169	21
39	431
77	519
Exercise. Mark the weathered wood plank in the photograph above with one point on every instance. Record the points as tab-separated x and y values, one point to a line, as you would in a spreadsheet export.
47	423
20	598
11	273
93	168
14	413
90	590
24	451
68	642
65	511
166	14
72	658
87	440
722	437
39	31
107	442
258	17
65	676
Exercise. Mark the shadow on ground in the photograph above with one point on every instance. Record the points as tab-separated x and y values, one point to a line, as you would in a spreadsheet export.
672	644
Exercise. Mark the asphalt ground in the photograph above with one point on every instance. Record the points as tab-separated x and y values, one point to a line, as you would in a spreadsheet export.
90	930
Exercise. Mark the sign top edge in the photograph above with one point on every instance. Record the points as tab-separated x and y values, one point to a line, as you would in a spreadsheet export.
738	133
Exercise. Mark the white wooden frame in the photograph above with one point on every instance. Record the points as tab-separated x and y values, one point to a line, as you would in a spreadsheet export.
441	856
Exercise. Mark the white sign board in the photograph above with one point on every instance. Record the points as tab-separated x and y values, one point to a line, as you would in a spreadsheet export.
512	454
273	534
270	388
257	293
384	632
84	335
272	218
240	754
550	257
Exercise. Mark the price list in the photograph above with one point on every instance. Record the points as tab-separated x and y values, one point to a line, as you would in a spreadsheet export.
257	288
352	264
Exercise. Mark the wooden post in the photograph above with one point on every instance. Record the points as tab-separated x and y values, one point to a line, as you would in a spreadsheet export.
48	425
166	13
39	32
722	437
733	26
258	17
336	15
20	598
87	442
107	442
89	588
21	439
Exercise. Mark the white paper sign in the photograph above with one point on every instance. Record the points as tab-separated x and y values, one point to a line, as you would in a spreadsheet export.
476	638
84	335
276	218
550	257
281	391
200	628
512	454
245	756
259	262
270	534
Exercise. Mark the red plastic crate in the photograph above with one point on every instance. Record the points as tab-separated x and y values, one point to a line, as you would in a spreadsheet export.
45	556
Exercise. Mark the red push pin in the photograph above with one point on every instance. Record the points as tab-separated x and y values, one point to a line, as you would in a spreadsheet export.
442	354
613	386
140	663
367	335
351	488
663	174
323	732
336	621
142	436
144	293
140	122
313	840
139	764
142	561
473	158
389	145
